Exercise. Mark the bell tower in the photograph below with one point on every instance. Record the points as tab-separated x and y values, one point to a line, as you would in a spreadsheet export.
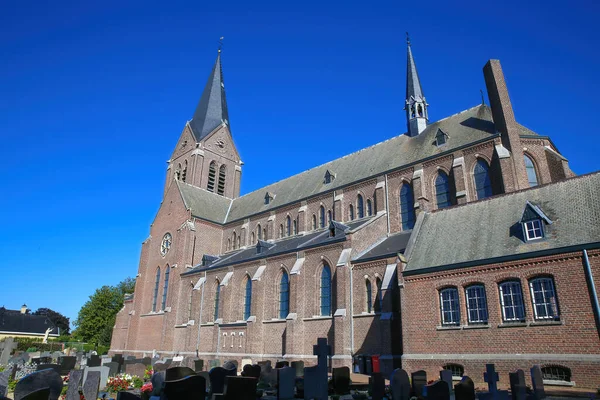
415	103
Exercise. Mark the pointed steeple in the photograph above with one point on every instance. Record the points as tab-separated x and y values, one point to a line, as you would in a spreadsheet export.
212	108
415	104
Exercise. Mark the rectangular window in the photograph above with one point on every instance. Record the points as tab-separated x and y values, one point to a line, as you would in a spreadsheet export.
449	306
544	298
533	229
476	304
511	300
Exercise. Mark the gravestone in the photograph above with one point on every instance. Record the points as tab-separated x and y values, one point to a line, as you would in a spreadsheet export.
198	365
47	378
93	361
177	360
113	368
104	372
177	373
400	385
67	363
446	376
91	384
263	364
268	376
322	350
55	367
377	386
465	389
127	396
251	371
148	361
419	380
206	377
118	358
75	378
40	394
311	374
214	363
240	388
4	375
231	365
158	382
286	383
518	387
57	354
137	369
217	378
8	346
491	377
158	367
341	380
246	361
189	388
105	359
438	390
298	366
35	354
537	383
281	364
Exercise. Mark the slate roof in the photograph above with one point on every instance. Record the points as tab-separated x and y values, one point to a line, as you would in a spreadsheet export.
413	83
27	324
390	246
204	204
489	230
287	245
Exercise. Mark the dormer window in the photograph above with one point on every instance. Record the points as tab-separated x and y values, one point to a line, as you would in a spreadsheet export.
269	197
440	138
329	177
532	221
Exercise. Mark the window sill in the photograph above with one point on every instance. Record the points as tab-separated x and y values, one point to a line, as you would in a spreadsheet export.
449	328
274	321
513	325
207	324
558	383
317	318
476	326
546	323
151	314
365	314
181	326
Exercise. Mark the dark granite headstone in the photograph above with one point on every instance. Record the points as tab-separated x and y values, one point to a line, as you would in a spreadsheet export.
214	363
419	380
198	365
127	396
75	379
286	383
55	367
438	390
158	367
47	378
177	373
118	358
537	383
309	390
147	361
281	364
231	365
341	380
91	386
465	389
263	364
240	388
137	369
67	363
94	361
189	388
446	376
158	383
4	375
251	371
298	366
400	385
518	387
377	386
217	378
40	394
113	368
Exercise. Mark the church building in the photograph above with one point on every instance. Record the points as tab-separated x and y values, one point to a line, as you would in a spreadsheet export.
461	242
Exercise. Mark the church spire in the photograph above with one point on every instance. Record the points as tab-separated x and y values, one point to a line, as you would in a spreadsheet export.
415	105
212	108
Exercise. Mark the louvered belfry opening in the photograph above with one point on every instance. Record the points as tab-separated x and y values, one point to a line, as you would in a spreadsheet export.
211	177
221	185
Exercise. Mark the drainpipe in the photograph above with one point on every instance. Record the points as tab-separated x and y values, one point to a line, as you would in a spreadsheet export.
387	208
200	316
592	287
351	316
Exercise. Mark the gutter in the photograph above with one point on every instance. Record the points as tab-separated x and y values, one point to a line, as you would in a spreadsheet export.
200	316
592	289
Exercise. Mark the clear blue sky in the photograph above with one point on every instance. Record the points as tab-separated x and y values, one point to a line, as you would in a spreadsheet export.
94	96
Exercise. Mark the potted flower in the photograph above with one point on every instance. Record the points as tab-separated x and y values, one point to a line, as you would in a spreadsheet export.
146	390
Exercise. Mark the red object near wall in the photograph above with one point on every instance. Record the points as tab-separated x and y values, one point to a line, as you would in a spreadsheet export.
375	361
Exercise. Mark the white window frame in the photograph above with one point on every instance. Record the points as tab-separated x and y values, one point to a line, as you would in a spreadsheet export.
454	308
481	304
503	305
534	230
550	302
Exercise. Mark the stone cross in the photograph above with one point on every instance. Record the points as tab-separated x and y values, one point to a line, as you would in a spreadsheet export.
537	382
518	387
322	350
490	376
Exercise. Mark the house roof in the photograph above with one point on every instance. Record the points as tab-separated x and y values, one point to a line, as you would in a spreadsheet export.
204	204
14	321
489	230
390	246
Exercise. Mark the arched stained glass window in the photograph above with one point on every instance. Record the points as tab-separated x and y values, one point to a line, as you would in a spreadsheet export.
530	168
288	226
294	227
483	184
326	290
360	207
165	289
442	190
156	283
322	217
379	299
217	298
212	171
284	295
369	296
248	299
407	207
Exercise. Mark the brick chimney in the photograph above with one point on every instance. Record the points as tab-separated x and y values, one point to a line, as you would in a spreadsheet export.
504	120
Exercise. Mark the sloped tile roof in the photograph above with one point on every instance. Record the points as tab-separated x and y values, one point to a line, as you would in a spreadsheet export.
27	324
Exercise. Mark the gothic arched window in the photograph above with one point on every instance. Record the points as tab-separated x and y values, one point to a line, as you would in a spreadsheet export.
442	190
259	232
217	298
156	283
379	300
369	208
295	228
288	226
351	212
212	171
483	184
530	168
222	175
360	207
369	295
329	217
234	240
326	290
248	298
322	217
165	289
314	222
284	295
407	207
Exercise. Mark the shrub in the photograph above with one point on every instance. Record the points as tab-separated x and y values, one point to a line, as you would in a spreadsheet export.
137	382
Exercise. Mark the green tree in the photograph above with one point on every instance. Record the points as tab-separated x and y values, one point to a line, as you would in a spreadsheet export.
97	316
59	320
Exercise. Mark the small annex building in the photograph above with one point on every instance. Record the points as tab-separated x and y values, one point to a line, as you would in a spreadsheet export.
20	323
461	242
